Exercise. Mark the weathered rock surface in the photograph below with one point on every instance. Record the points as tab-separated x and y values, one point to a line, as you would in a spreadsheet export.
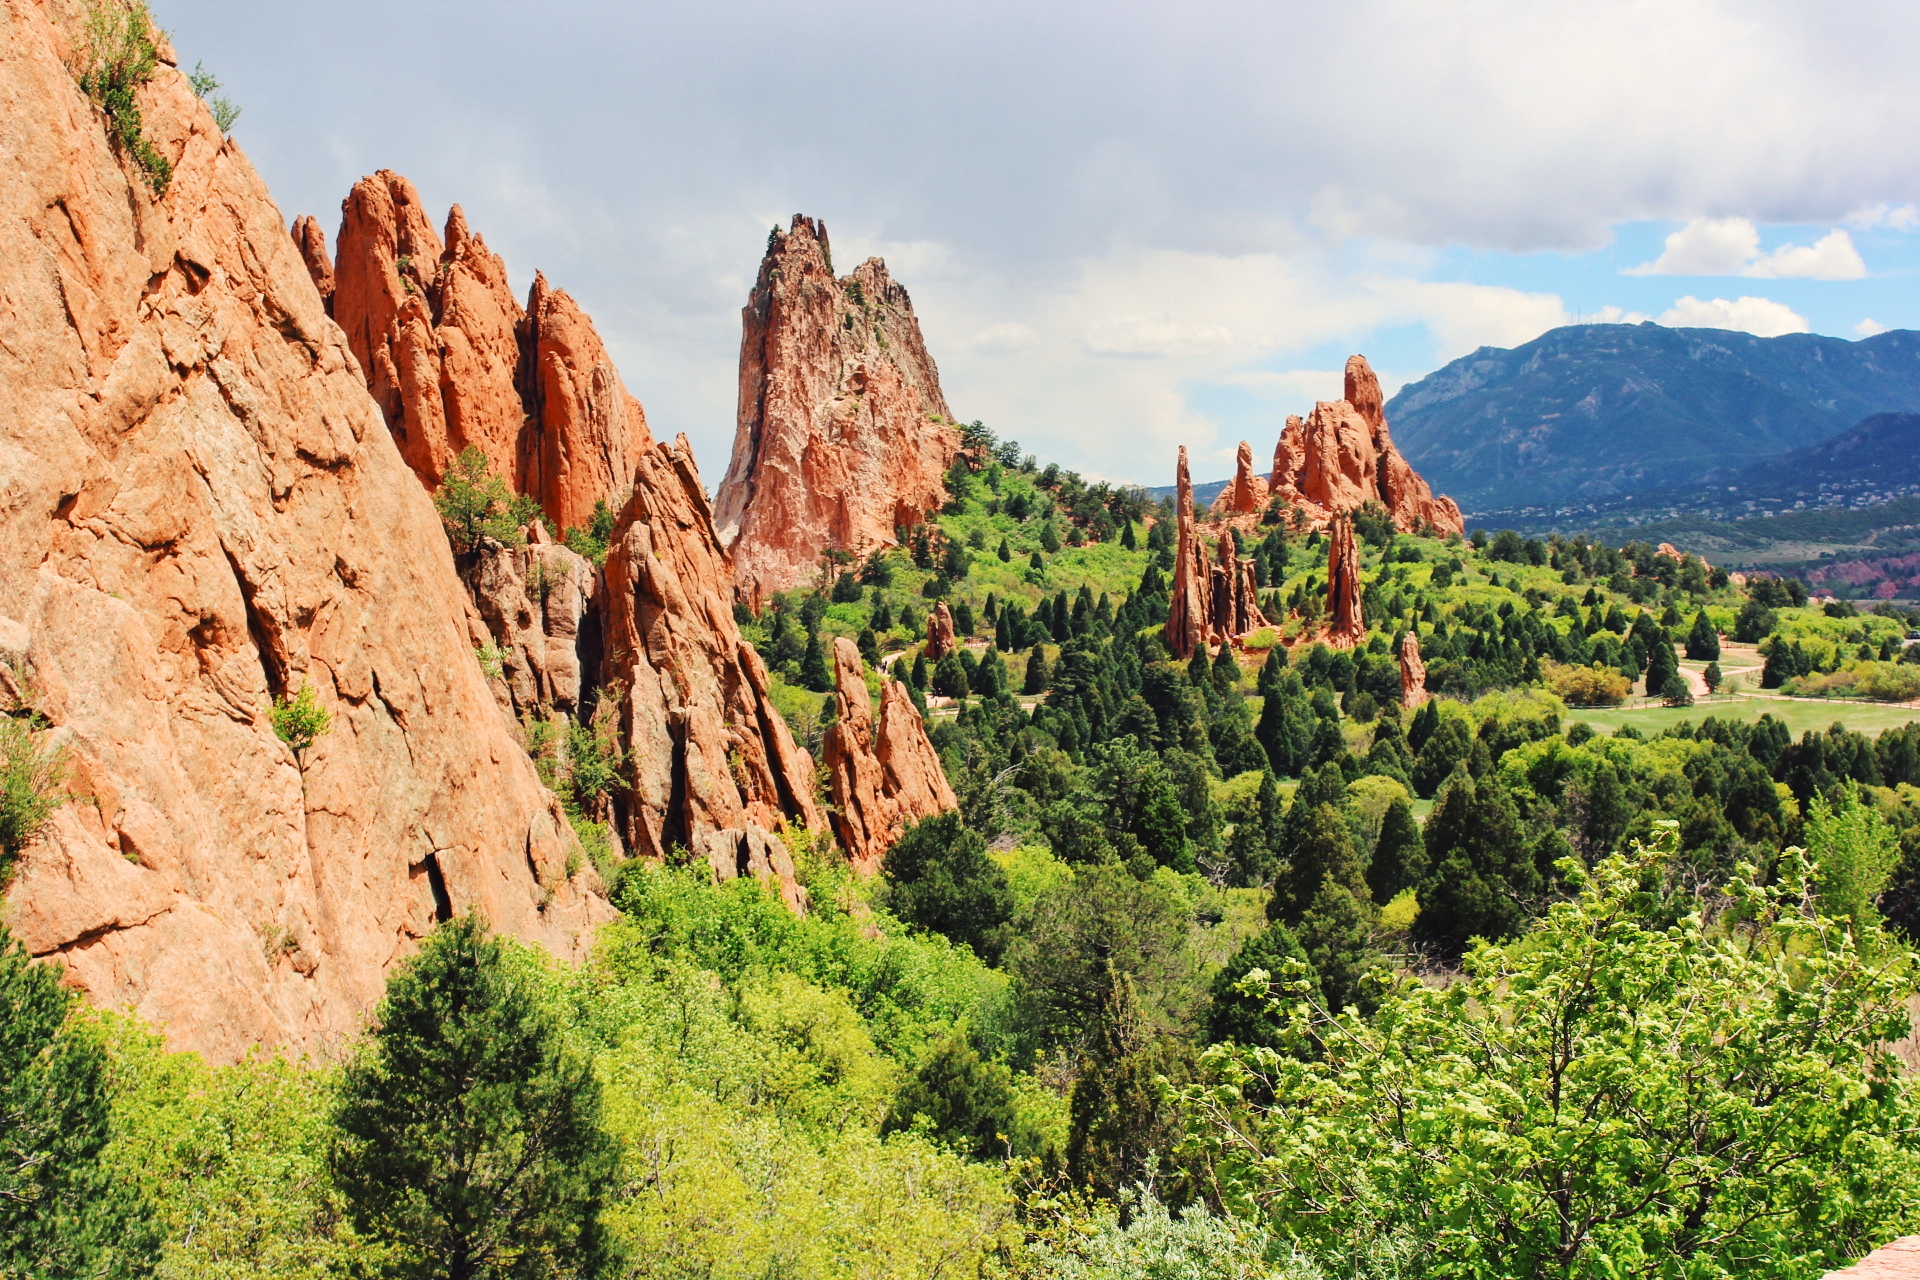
1189	620
454	361
713	766
1246	495
1234	598
883	780
1341	457
203	509
540	606
1345	626
843	435
1413	672
940	639
313	251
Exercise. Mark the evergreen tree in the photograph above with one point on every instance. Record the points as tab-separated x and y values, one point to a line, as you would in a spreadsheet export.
1035	563
960	1098
814	674
1005	552
1251	852
1287	725
953	561
1425	721
1448	746
1712	676
1482	878
1249	1020
869	646
1049	537
469	1135
1703	642
950	678
1662	666
1127	540
938	877
1608	812
917	674
1038	674
62	1212
1399	857
1336	932
846	590
1226	670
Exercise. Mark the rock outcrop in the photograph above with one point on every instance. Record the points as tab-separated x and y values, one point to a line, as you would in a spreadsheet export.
883	781
313	251
1345	625
940	638
843	435
1246	495
454	361
1214	597
713	766
204	510
1236	601
1413	672
1341	457
540	607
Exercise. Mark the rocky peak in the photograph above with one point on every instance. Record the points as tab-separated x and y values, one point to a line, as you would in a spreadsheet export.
886	779
1246	495
842	435
455	362
1342	457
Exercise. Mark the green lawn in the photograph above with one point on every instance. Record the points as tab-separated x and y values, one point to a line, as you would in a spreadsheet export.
1800	714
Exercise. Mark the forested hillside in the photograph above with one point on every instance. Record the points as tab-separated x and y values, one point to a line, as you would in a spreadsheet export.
1202	975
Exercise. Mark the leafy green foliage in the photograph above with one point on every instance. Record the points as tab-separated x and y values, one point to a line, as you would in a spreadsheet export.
32	778
470	1138
116	57
63	1210
591	542
939	877
300	720
206	87
1617	1094
474	503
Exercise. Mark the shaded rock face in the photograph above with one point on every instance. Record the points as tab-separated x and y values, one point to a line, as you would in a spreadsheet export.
540	605
843	435
940	639
1342	457
886	779
713	767
1413	672
1345	627
454	361
1234	597
205	510
1247	493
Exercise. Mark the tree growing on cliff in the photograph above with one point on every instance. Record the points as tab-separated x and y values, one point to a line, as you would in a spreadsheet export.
31	778
62	1213
469	1135
474	503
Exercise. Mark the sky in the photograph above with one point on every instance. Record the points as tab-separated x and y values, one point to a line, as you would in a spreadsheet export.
1125	227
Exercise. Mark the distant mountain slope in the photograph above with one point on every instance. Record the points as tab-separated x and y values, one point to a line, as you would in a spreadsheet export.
1588	413
1882	451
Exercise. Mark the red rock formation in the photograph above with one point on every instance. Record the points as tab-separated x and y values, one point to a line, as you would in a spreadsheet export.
540	605
1345	627
1413	672
204	510
843	435
1342	457
940	641
313	251
1236	602
455	362
1189	621
714	767
882	782
1247	494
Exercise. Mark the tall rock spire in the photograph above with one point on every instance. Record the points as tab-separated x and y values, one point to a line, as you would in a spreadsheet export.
1345	626
883	779
842	434
1190	621
1413	672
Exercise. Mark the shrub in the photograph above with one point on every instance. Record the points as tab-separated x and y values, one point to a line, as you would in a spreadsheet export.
939	877
31	777
1594	686
474	503
116	57
592	542
299	720
206	87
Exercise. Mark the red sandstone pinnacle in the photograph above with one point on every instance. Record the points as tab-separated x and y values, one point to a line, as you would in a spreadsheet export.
455	362
1345	626
883	781
1247	494
1236	605
1342	457
312	242
940	639
713	765
1190	617
843	435
205	511
1413	672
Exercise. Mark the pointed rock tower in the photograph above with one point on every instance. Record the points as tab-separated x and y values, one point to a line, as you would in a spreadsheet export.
1345	625
843	435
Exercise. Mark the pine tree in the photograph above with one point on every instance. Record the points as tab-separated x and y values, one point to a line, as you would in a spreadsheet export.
917	675
62	1212
1038	674
1336	932
1481	875
469	1139
1251	852
1399	856
1250	1020
813	666
1005	552
1127	540
1049	537
1703	641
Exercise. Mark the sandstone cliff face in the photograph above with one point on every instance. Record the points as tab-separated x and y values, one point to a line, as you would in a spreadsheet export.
940	638
1342	457
540	605
713	767
203	509
842	433
454	361
883	781
1214	599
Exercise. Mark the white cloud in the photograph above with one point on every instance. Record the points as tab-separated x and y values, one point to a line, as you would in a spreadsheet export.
1614	315
1731	247
1154	334
1897	217
1762	317
1009	335
1868	327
